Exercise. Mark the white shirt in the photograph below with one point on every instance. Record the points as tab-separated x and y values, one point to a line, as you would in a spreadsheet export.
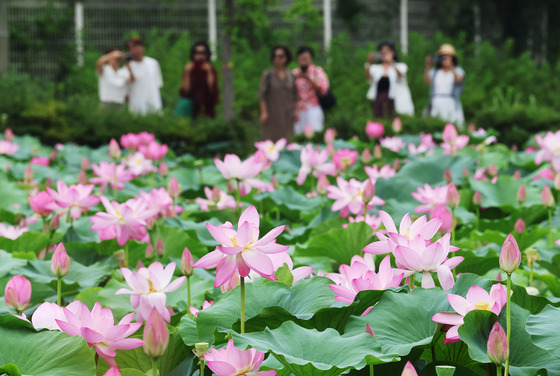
398	87
144	96
112	84
443	83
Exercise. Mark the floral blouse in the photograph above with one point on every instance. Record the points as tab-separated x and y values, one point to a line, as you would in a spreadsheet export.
307	95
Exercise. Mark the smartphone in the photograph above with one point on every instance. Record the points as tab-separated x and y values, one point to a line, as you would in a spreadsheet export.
127	58
303	69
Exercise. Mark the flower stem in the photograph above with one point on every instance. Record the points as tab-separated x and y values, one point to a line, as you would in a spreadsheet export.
126	254
202	364
189	292
477	218
154	367
508	318
371	370
550	242
59	291
531	275
453	236
242	291
498	370
238	199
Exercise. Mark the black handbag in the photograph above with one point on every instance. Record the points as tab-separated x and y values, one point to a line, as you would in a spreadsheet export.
327	101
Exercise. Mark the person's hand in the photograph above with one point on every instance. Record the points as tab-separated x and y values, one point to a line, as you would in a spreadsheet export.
371	58
264	117
206	67
428	62
119	55
189	66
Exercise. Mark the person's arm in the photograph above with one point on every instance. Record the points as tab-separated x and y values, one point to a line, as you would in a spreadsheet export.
427	79
367	66
264	111
186	83
458	76
130	74
101	62
400	69
210	78
263	90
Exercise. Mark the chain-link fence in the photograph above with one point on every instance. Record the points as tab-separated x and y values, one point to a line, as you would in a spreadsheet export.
43	33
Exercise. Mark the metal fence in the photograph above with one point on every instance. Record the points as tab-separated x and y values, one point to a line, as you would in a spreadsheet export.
46	36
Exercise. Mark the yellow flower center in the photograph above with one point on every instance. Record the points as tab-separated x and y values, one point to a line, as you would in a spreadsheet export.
152	289
271	148
234	241
482	305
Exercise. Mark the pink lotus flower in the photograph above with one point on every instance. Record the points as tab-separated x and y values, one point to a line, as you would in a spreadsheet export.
374	130
477	298
397	125
272	150
408	231
233	362
9	134
130	141
17	293
60	262
384	172
205	305
453	196
430	198
187	263
42	203
392	143
452	142
156	335
232	167
242	251
76	198
149	286
426	145
109	173
139	165
98	329
153	150
161	202
361	275
314	161
497	346
349	197
114	149
409	370
215	198
6	147
444	215
122	221
546	197
12	232
550	149
344	158
510	256
113	371
40	161
330	135
372	220
46	314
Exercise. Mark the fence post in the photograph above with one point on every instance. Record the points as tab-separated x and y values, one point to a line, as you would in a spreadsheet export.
79	30
212	28
4	37
327	24
404	26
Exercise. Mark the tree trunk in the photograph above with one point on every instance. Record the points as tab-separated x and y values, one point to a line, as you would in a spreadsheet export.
227	89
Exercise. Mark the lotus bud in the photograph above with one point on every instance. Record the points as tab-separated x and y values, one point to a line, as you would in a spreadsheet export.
532	256
308	131
163	169
450	134
160	249
274	181
330	149
517	175
369	191
377	153
53	155
557	181
330	135
149	251
84	165
533	291
48	182
519	226
28	173
447	176
521	194
397	164
42	253
369	330
200	348
453	196
409	370
497	348
120	256
139	265
510	257
499	277
547	198
374	130
493	170
8	133
17	293
82	178
173	188
366	156
187	263
322	184
60	262
466	173
114	149
113	371
445	370
156	335
397	125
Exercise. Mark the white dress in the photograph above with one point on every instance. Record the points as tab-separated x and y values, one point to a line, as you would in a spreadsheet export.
444	105
144	96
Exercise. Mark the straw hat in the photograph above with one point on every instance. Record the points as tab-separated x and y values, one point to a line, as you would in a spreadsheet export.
446	49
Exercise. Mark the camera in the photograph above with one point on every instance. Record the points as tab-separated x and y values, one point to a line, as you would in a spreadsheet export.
436	59
304	69
127	58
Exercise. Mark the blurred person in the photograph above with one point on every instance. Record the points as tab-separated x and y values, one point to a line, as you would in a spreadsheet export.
278	97
112	80
388	86
143	94
446	82
311	82
199	88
